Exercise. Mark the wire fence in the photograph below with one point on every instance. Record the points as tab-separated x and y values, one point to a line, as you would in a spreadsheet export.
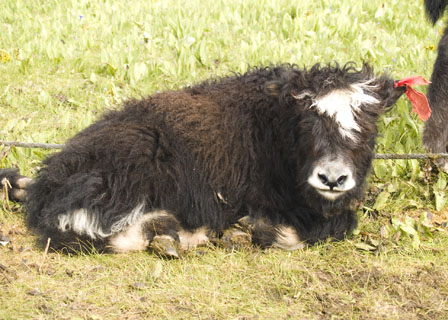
384	156
31	145
411	156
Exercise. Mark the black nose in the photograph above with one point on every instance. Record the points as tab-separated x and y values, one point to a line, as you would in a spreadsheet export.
332	183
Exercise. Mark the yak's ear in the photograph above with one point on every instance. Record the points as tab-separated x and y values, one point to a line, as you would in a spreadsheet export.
388	93
394	95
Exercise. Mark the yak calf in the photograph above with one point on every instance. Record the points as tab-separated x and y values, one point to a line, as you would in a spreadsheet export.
280	150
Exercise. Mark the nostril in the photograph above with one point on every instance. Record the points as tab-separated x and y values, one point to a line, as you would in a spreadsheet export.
341	180
323	178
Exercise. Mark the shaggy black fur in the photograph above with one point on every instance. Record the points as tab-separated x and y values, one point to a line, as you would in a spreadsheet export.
211	154
436	129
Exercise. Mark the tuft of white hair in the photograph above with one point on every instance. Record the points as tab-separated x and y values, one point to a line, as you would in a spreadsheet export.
342	105
83	222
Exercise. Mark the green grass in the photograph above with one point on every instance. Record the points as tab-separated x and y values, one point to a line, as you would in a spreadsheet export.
62	63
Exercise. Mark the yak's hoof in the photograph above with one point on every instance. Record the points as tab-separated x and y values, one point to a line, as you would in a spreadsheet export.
164	246
246	223
234	237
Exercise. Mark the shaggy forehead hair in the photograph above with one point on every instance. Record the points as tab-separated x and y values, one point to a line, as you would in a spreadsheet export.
347	96
344	106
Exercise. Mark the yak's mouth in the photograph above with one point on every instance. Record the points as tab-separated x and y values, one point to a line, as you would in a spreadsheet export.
332	191
330	194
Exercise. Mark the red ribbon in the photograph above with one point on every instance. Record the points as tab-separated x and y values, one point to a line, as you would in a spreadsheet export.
419	101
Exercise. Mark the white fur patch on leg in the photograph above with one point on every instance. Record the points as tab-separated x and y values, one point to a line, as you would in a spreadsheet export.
343	104
189	240
287	239
133	238
88	223
129	219
81	222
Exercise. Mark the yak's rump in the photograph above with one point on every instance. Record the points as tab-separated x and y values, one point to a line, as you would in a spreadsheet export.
280	151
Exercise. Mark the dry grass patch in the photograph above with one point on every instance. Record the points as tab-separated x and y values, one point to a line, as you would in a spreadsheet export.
331	280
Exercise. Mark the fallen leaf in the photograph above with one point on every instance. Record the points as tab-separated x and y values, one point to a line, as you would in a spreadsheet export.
365	246
384	233
35	292
4	240
138	285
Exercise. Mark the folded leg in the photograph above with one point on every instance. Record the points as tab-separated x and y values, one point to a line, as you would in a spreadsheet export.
297	228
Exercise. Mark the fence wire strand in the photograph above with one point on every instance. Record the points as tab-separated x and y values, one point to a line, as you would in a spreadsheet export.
32	145
383	156
411	156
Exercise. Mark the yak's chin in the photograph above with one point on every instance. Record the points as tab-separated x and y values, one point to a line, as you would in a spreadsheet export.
328	201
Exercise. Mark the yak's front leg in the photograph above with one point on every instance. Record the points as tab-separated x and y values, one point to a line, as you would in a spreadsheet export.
160	232
314	227
304	226
265	234
156	230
